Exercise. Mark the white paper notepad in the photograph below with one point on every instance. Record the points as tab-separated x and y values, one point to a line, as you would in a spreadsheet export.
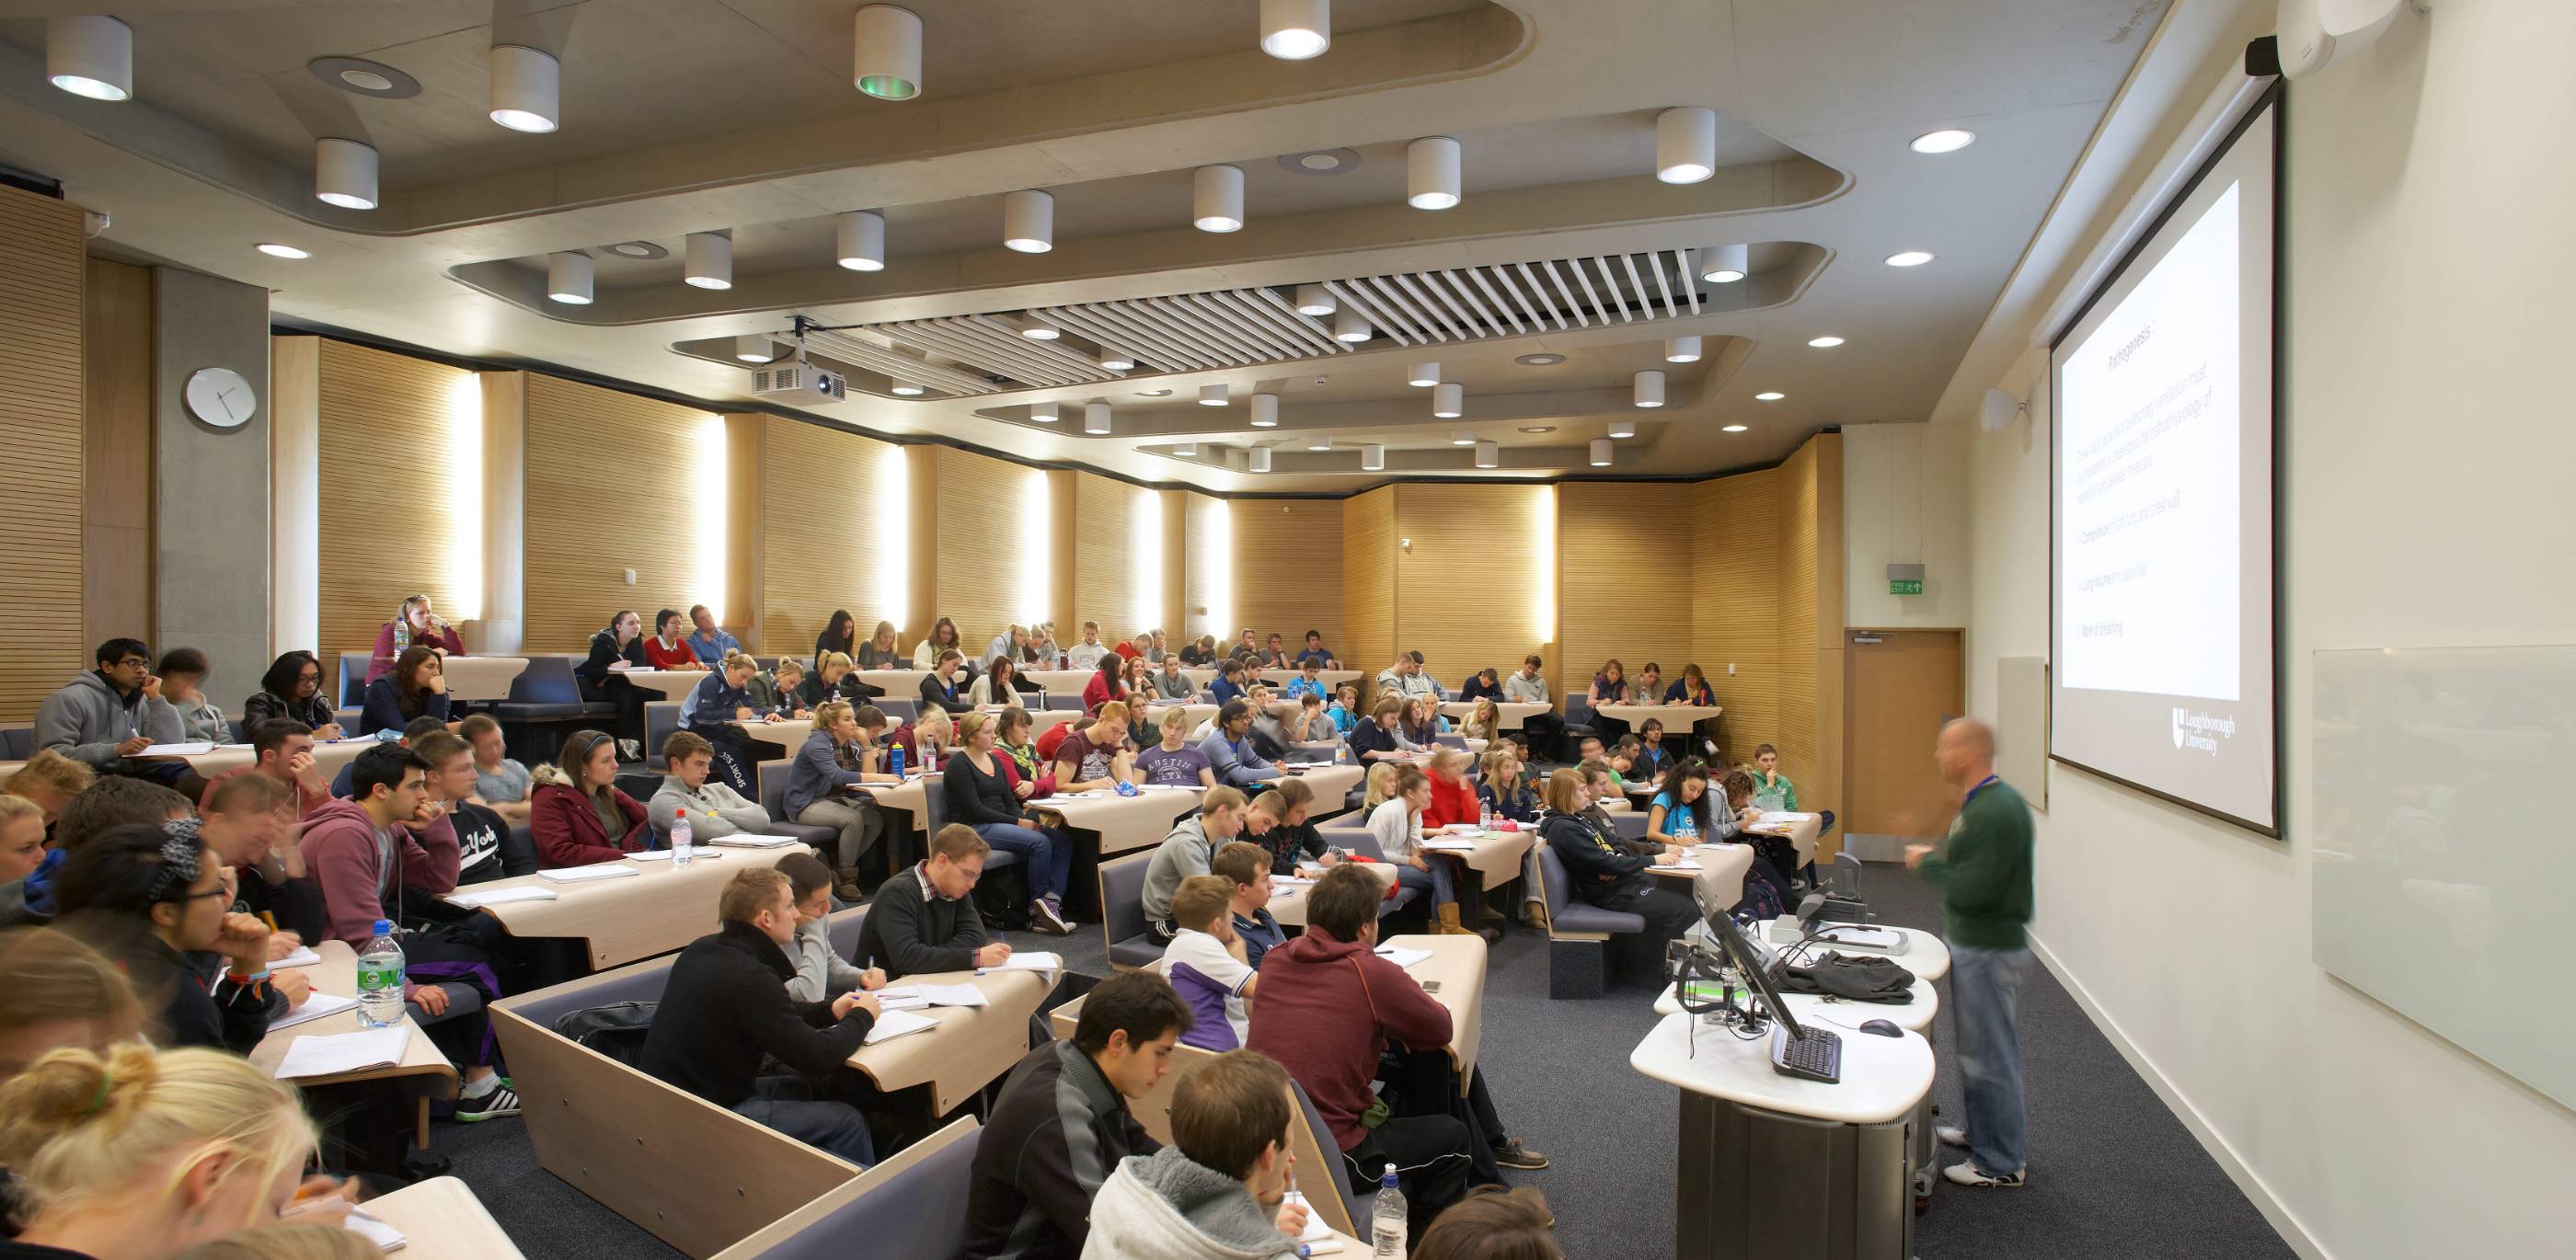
746	840
499	897
1402	957
337	1053
193	749
302	957
1032	960
895	1024
317	1005
583	874
953	995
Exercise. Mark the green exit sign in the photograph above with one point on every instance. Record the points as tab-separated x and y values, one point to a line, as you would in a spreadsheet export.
1909	586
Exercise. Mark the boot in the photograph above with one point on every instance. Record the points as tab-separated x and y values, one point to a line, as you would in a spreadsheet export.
845	885
1447	924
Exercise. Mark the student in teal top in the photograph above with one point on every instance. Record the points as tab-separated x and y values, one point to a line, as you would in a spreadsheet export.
1983	872
1772	789
1307	683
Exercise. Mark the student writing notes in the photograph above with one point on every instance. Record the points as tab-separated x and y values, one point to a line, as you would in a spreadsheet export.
924	919
1219	1191
1061	1125
726	1009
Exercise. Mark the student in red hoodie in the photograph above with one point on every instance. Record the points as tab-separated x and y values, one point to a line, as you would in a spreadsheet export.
1453	798
576	814
367	852
1329	1008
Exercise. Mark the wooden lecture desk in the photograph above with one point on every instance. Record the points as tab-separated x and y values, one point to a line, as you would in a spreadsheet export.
1512	712
1492	858
671	684
440	1219
659	908
1677	718
972	1045
1288	892
329	756
483	678
337	974
898	684
1062	682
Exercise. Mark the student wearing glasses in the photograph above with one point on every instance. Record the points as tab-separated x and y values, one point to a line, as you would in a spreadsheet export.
669	646
157	906
292	688
943	637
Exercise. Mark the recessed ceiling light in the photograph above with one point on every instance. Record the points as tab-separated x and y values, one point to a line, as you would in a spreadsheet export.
1216	198
283	251
1825	342
1726	264
1681	349
858	238
1649	389
1623	428
755	348
1153	393
1685	144
1187	450
526	88
1431	179
1769	395
907	389
1213	395
1315	299
1036	329
362	77
1909	258
1350	327
1733	428
1601	452
1540	360
1320	162
708	260
1113	359
1028	219
1462	437
1946	140
568	276
344	173
1538	428
1320	442
638	249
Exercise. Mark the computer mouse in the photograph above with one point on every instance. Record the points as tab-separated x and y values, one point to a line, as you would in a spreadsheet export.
1881	1027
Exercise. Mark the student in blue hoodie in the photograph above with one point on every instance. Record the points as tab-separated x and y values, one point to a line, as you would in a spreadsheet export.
1229	683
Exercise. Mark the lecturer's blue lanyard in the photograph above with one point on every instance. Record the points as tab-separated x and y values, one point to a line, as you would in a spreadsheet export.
1982	785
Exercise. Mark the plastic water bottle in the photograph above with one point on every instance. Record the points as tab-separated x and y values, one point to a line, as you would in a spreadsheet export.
683	842
380	979
895	759
1485	815
1386	1220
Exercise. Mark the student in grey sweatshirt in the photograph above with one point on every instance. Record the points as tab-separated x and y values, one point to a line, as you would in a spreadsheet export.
821	975
713	808
103	717
1217	1192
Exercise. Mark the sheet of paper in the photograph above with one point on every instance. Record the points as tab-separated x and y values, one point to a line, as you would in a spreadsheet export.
320	1055
384	1236
954	995
583	874
895	1024
1449	844
746	840
1403	957
901	998
317	1005
499	897
1031	960
193	749
1316	1229
302	957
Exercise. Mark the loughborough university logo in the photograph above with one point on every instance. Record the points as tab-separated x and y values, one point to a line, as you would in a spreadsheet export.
2201	732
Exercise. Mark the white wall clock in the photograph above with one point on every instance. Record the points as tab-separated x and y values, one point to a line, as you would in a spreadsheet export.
220	397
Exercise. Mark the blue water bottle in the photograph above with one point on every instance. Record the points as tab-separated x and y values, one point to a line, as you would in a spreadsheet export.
895	760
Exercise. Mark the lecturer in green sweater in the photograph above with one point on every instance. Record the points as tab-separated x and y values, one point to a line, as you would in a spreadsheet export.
1983	873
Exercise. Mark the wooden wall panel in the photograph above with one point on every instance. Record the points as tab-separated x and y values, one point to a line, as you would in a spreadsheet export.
116	415
398	513
1736	604
1810	634
612	483
1208	572
1118	562
826	549
1368	580
993	545
41	358
1173	616
1467	595
1618	542
1288	569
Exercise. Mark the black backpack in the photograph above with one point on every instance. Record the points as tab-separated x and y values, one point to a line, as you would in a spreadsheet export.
616	1030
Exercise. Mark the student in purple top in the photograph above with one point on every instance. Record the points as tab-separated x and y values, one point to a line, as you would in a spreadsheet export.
1173	762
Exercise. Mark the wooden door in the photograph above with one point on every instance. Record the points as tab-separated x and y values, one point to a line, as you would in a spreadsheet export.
1899	687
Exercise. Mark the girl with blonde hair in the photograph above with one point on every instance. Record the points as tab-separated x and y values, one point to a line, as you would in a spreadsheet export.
138	1154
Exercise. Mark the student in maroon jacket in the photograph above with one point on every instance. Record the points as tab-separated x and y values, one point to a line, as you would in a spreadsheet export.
366	849
1313	991
576	814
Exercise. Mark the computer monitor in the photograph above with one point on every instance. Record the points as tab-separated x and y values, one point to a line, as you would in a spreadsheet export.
1751	962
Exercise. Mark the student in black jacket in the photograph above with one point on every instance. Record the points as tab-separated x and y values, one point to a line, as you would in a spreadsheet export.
623	640
726	1006
1600	870
154	903
1061	1122
1291	836
945	686
924	920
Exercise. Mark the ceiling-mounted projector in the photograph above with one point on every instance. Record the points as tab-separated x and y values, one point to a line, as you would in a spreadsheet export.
799	382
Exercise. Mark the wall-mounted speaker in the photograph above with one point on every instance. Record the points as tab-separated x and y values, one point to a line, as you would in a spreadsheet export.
1998	410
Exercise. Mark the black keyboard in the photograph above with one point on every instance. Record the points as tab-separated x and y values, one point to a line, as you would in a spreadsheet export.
1818	1056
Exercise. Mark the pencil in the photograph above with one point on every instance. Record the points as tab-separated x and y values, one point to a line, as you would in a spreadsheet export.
270	919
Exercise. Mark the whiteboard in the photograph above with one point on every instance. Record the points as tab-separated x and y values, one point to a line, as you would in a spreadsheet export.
2444	866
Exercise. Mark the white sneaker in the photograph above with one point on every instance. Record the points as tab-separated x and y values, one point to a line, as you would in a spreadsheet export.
1966	1173
1951	1135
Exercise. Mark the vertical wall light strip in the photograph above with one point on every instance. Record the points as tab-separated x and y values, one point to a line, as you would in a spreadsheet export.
714	489
1220	600
893	505
1543	561
1145	560
1036	521
465	494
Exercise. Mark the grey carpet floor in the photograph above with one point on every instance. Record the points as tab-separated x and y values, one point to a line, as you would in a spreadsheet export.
2113	1173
